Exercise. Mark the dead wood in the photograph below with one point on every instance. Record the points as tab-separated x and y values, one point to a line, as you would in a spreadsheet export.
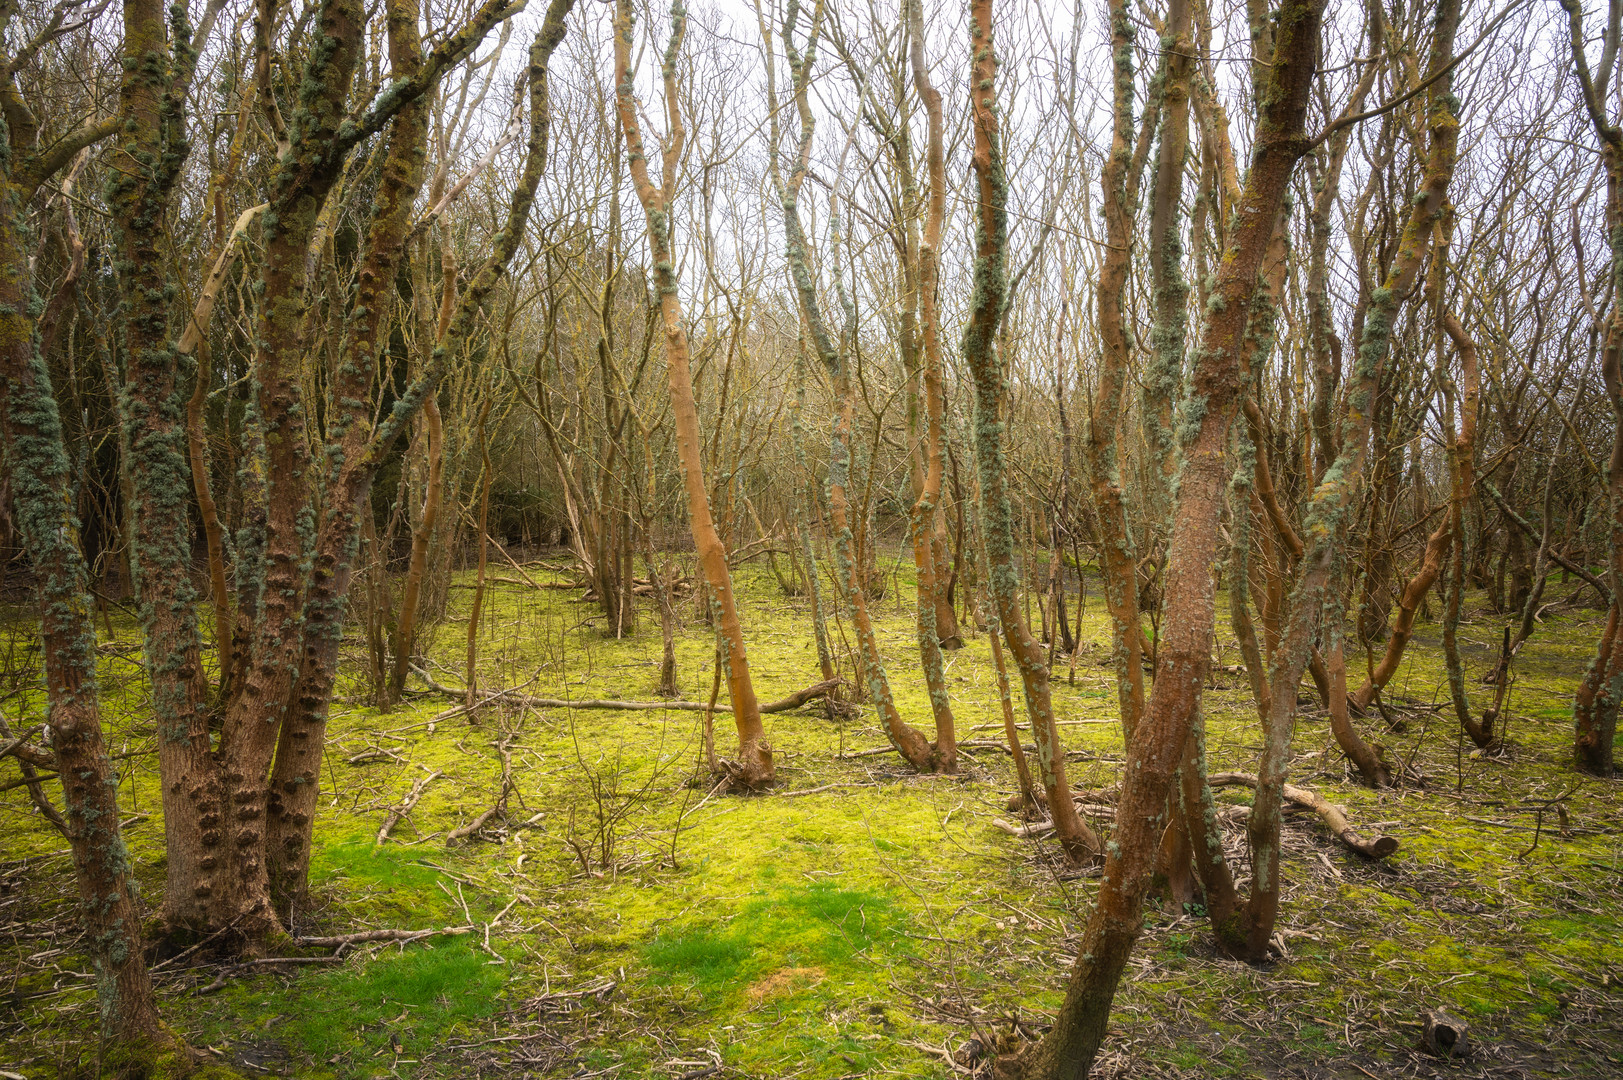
364	937
793	701
499	807
407	804
1333	816
1443	1034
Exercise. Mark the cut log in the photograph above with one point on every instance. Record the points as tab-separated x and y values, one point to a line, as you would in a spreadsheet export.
1333	816
1443	1034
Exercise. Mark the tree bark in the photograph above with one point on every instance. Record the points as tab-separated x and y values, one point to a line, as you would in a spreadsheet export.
980	351
925	510
754	766
1156	751
357	450
40	478
1596	703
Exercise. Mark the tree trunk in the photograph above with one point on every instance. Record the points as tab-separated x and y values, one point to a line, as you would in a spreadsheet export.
1595	705
405	638
470	678
1156	751
40	478
754	767
979	347
1118	562
359	450
925	511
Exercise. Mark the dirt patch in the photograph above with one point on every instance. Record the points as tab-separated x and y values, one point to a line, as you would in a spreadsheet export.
783	981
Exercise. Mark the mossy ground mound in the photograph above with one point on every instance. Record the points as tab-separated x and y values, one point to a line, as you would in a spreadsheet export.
854	930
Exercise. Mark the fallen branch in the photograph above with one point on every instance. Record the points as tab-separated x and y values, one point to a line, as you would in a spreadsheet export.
816	790
376	753
406	806
1023	832
365	937
1333	816
499	807
869	753
793	701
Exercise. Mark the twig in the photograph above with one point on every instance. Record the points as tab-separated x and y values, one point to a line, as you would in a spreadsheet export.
500	806
363	937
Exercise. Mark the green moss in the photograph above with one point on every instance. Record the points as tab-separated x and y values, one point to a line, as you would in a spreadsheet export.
891	884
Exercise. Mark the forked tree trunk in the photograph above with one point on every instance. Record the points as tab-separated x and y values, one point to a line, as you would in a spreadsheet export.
754	766
1250	932
1156	751
1414	593
360	450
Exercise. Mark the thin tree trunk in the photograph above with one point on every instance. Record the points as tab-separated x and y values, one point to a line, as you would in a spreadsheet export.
470	678
853	542
754	767
152	434
40	477
1118	563
979	348
1325	521
925	509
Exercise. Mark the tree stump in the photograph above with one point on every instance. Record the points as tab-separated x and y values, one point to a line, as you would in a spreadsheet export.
1443	1034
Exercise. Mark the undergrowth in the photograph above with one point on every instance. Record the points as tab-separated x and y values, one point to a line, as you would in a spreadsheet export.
858	929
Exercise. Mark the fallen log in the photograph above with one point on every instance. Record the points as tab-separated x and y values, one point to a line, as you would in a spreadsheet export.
1332	816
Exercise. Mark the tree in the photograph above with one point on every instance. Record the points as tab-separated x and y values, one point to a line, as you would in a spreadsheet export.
753	768
1155	752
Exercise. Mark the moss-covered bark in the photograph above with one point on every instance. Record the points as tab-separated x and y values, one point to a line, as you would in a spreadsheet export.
1118	564
1325	524
40	476
355	450
988	304
153	148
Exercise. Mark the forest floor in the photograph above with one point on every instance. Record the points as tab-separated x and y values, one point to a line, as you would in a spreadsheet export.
860	920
